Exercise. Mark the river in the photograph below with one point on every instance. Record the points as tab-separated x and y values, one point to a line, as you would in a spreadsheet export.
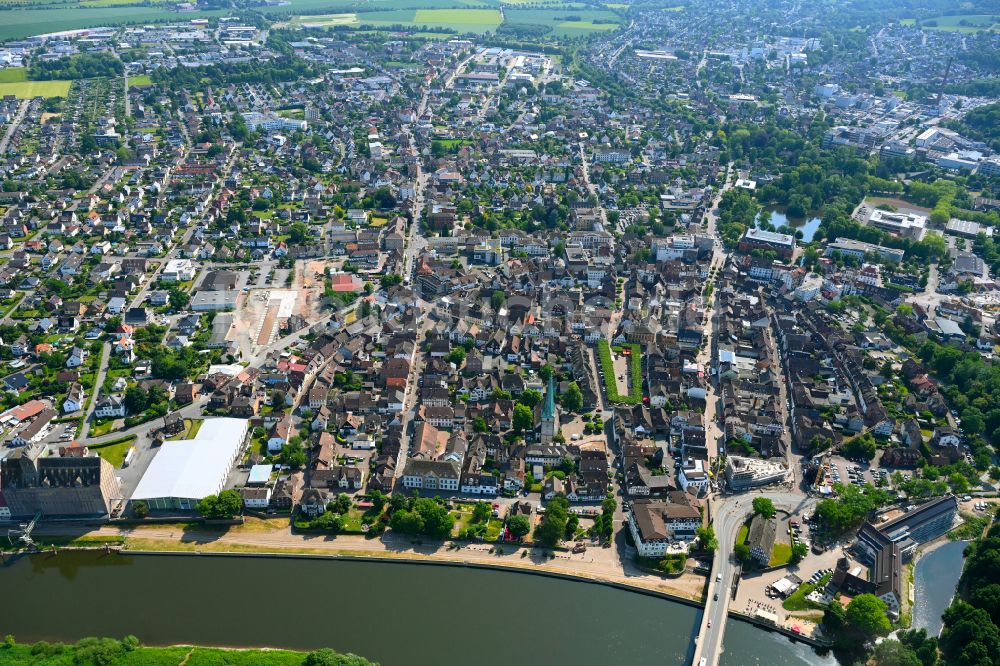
394	613
934	580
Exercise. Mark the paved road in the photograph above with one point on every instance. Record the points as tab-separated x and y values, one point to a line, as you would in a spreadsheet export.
21	110
590	186
729	513
102	372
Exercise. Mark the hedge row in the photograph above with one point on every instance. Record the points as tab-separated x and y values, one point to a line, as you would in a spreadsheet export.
635	372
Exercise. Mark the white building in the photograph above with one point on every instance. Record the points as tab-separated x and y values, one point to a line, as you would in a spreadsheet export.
187	470
178	270
110	406
693	476
656	524
272	122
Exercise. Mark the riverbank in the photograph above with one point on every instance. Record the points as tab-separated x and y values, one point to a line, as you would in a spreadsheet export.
127	651
274	538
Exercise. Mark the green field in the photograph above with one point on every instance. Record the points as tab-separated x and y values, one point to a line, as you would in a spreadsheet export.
140	80
461	20
29	89
115	450
13	75
326	20
19	23
958	23
121	3
566	22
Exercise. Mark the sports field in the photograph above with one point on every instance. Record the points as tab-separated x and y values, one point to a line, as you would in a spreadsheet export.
140	80
30	89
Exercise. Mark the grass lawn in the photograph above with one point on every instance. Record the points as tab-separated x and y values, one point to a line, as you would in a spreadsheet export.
13	75
102	428
782	554
741	536
797	600
114	451
31	89
493	529
140	80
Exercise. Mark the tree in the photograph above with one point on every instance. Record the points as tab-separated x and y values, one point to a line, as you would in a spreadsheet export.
894	653
341	504
140	509
479	424
519	526
742	552
764	507
799	551
293	455
706	538
553	526
390	280
545	372
862	446
481	512
378	499
497	299
136	400
866	615
572	399
530	398
298	233
524	418
225	505
969	636
329	520
572	524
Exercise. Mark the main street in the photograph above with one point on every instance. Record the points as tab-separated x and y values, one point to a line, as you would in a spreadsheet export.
729	513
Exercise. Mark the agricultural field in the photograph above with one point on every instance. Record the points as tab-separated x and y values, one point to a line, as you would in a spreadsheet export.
566	22
30	89
22	22
460	20
959	23
326	20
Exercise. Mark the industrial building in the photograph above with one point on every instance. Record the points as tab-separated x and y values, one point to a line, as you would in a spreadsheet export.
187	470
75	484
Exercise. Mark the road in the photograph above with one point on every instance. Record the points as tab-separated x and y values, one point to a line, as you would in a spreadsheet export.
102	372
729	513
591	188
930	298
18	117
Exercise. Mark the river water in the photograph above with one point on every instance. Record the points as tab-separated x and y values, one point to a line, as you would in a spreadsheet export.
934	580
394	613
